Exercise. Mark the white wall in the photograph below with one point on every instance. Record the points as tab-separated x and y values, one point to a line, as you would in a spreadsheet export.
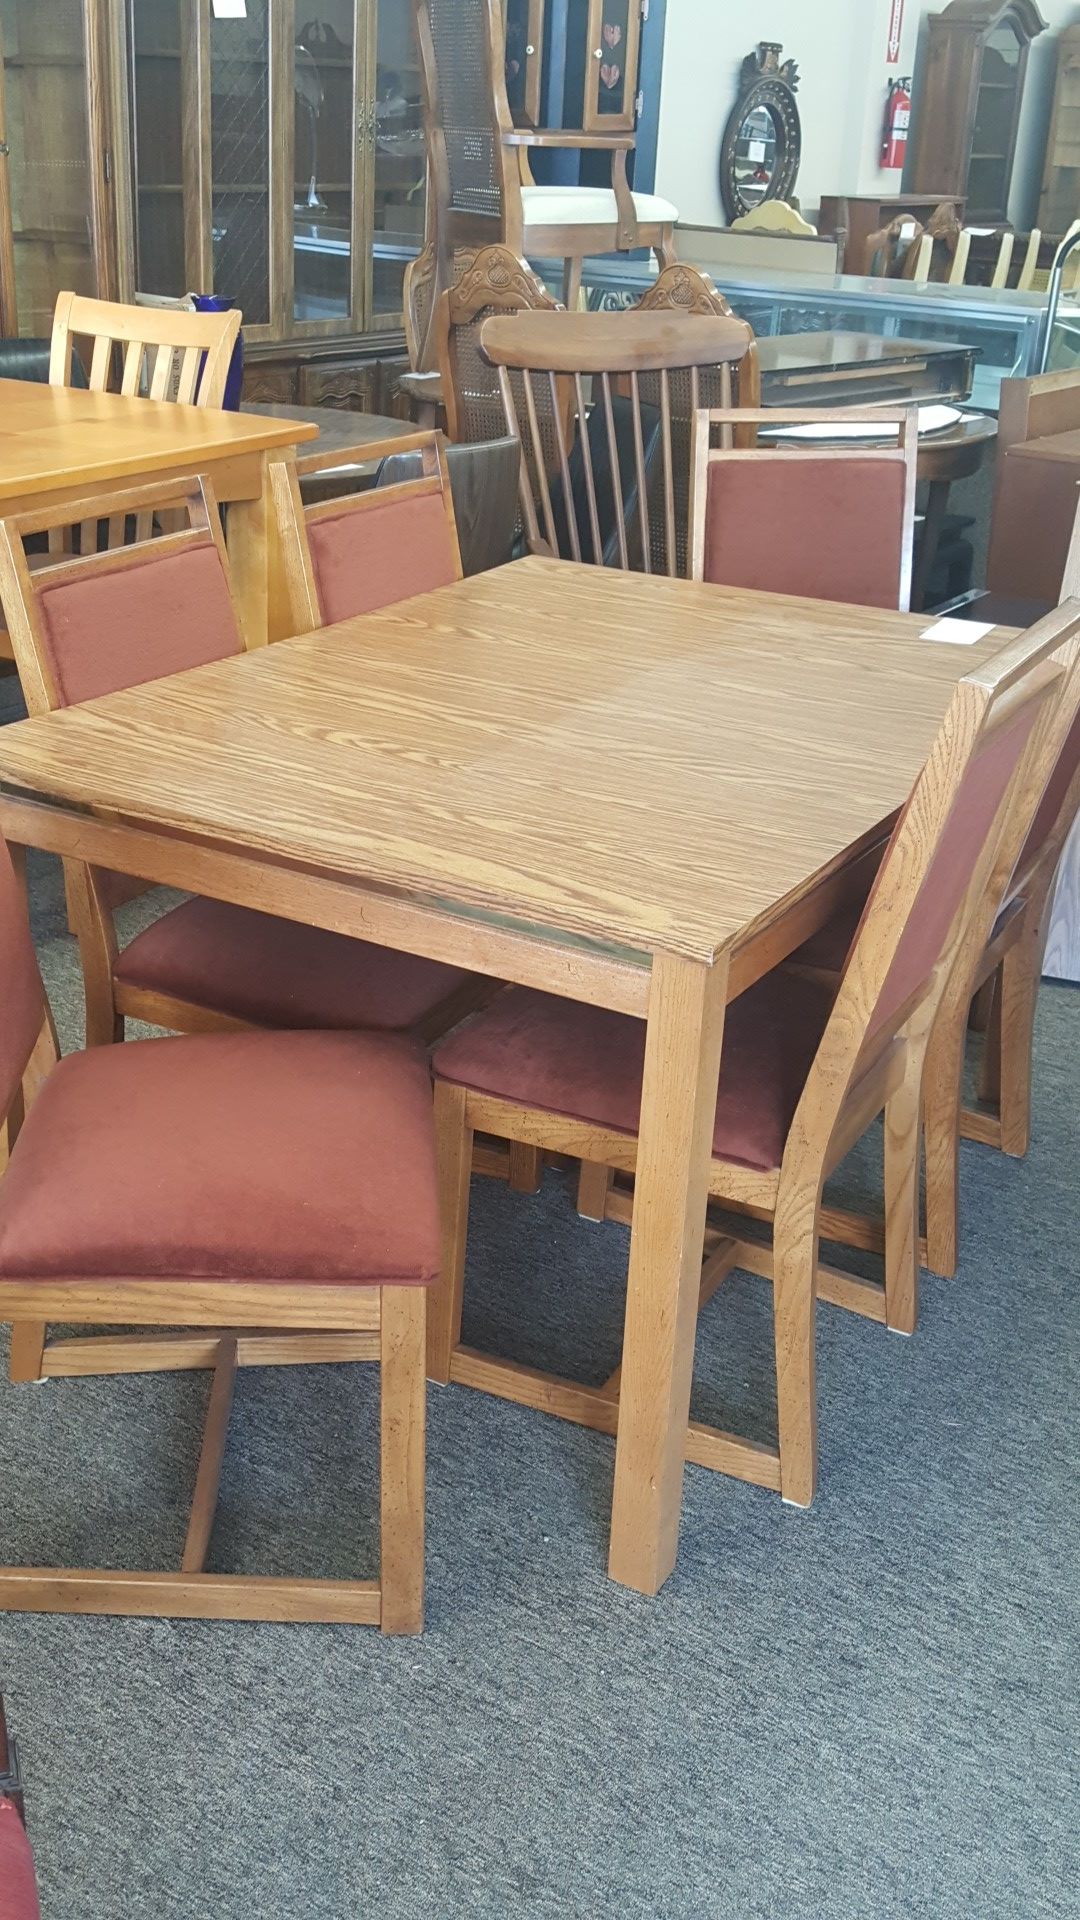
840	47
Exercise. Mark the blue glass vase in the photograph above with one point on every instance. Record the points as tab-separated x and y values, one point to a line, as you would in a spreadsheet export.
217	303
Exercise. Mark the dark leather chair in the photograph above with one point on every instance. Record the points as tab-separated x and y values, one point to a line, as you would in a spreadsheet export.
484	483
29	360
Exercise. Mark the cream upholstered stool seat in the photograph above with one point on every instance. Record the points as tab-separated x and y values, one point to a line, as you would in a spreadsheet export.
588	207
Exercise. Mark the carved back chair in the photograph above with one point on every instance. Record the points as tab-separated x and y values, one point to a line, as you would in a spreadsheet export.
686	290
598	464
806	1069
363	551
888	251
496	281
481	193
248	1185
824	522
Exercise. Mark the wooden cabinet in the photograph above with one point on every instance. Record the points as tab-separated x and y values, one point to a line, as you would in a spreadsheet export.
967	102
1059	203
168	146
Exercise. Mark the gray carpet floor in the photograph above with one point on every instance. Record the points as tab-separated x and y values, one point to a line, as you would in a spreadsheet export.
862	1712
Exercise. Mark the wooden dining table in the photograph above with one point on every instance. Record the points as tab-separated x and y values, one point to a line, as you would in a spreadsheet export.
634	791
64	443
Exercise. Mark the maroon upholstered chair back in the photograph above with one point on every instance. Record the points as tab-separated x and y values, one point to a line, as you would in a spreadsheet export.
373	549
22	996
135	615
1048	821
981	790
824	526
18	1886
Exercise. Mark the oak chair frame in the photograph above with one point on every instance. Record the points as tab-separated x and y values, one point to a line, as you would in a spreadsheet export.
729	420
554	356
853	1080
294	515
173	354
456	227
384	1324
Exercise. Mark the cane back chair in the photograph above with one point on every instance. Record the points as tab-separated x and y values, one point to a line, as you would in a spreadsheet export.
805	1070
479	177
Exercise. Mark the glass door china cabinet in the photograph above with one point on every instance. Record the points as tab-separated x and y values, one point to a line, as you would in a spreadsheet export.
270	151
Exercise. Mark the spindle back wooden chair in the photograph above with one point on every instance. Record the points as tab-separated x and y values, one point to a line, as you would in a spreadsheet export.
827	522
480	185
494	281
255	1232
362	551
563	1078
572	390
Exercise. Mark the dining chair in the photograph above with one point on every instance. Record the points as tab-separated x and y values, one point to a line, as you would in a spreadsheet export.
483	483
826	522
244	1184
806	1069
1025	279
893	252
88	625
162	353
597	458
362	551
481	183
18	1884
495	281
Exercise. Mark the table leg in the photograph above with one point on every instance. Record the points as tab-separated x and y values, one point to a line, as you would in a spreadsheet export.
937	497
678	1104
248	532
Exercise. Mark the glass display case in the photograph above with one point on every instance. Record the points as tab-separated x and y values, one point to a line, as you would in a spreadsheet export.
1001	326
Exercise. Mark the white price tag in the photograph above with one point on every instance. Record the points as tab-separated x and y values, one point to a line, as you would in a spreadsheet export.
757	151
957	633
229	9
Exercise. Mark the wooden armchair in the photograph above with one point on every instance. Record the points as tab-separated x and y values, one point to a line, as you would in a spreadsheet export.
806	1070
480	182
223	1183
598	457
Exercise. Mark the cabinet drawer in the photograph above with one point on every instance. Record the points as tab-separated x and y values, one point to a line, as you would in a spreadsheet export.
352	385
273	385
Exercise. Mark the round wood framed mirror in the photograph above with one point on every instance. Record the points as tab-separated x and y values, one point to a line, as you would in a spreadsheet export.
762	146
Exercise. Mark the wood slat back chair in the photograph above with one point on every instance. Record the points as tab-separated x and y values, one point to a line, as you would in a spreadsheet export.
18	1882
682	289
824	522
805	1070
362	551
496	281
1025	279
480	184
156	1186
159	353
613	464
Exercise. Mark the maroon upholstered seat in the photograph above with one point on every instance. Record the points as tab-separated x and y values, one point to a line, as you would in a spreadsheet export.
248	1156
586	1062
18	1887
814	525
386	552
277	973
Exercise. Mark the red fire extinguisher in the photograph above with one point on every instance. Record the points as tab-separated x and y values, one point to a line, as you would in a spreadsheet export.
897	122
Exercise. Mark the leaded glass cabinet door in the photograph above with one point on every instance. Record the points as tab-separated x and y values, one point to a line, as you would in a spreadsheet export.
163	56
394	161
328	56
55	209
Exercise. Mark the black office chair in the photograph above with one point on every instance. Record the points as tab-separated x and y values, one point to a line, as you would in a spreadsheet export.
484	483
29	360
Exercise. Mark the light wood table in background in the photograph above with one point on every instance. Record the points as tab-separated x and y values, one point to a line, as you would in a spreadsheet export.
638	792
62	443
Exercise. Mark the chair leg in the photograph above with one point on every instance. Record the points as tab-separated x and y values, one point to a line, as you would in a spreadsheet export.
1020	976
795	1250
403	1388
594	1185
27	1348
902	1142
942	1095
526	1167
571	282
453	1142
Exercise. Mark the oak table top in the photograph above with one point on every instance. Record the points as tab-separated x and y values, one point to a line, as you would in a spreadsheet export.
59	437
644	763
